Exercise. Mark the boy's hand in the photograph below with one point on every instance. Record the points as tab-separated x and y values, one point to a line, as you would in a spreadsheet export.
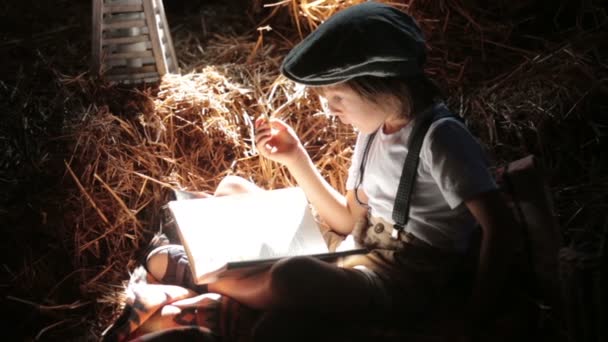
277	141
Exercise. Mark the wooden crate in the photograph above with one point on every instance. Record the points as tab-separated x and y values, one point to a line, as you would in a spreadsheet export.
131	41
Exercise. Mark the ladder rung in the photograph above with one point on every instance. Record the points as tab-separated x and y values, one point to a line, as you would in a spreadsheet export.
132	77
123	8
115	24
133	40
131	54
126	40
131	70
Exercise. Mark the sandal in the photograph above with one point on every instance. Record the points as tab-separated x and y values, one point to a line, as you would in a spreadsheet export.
178	267
159	239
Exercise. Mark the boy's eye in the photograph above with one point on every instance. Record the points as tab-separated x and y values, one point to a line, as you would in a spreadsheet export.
336	98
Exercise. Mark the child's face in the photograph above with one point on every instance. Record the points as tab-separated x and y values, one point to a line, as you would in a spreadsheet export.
353	109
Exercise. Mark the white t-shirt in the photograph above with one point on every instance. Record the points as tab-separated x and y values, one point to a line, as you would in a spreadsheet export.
452	168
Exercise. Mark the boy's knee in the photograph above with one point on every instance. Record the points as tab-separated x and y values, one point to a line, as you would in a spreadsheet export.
157	265
291	275
231	185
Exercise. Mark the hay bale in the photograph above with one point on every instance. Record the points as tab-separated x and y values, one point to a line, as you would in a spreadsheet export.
198	130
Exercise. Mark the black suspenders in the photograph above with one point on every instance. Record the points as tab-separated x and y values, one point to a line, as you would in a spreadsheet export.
401	208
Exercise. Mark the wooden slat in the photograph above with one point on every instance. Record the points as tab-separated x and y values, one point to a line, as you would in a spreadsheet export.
126	40
128	8
96	39
130	54
132	71
154	37
133	77
173	67
115	24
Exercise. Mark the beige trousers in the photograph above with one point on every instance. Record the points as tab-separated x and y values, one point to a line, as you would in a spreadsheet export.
406	272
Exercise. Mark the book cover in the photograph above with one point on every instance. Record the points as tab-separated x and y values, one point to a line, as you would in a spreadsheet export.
222	233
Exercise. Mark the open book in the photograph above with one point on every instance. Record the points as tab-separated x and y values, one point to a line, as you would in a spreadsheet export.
223	233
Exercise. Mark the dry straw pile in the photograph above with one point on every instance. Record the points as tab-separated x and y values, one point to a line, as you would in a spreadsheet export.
189	133
196	128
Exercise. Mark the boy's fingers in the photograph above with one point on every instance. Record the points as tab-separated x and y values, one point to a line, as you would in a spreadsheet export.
261	143
258	122
277	124
262	136
261	120
262	130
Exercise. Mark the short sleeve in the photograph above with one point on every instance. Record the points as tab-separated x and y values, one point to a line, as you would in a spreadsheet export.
353	170
456	161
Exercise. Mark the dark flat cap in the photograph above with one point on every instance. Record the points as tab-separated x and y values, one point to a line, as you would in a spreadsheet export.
366	39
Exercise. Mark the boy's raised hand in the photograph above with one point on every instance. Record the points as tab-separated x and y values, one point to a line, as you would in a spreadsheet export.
277	141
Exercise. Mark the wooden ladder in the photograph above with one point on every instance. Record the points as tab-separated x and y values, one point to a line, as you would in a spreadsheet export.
131	41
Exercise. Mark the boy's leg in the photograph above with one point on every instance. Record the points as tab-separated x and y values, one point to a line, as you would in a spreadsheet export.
161	261
231	185
296	283
183	334
296	326
300	283
304	283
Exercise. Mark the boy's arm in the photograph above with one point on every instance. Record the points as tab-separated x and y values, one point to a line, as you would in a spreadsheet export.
278	141
500	237
338	211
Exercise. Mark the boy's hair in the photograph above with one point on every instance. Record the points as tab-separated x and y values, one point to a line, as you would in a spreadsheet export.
417	92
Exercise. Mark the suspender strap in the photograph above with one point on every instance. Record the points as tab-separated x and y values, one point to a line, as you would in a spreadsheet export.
410	166
401	208
362	167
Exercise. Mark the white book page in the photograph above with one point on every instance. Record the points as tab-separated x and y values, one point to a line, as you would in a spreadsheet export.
261	225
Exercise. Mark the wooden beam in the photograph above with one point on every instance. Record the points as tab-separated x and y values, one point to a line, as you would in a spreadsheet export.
159	56
126	40
132	71
173	67
96	37
131	54
116	24
133	77
122	8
